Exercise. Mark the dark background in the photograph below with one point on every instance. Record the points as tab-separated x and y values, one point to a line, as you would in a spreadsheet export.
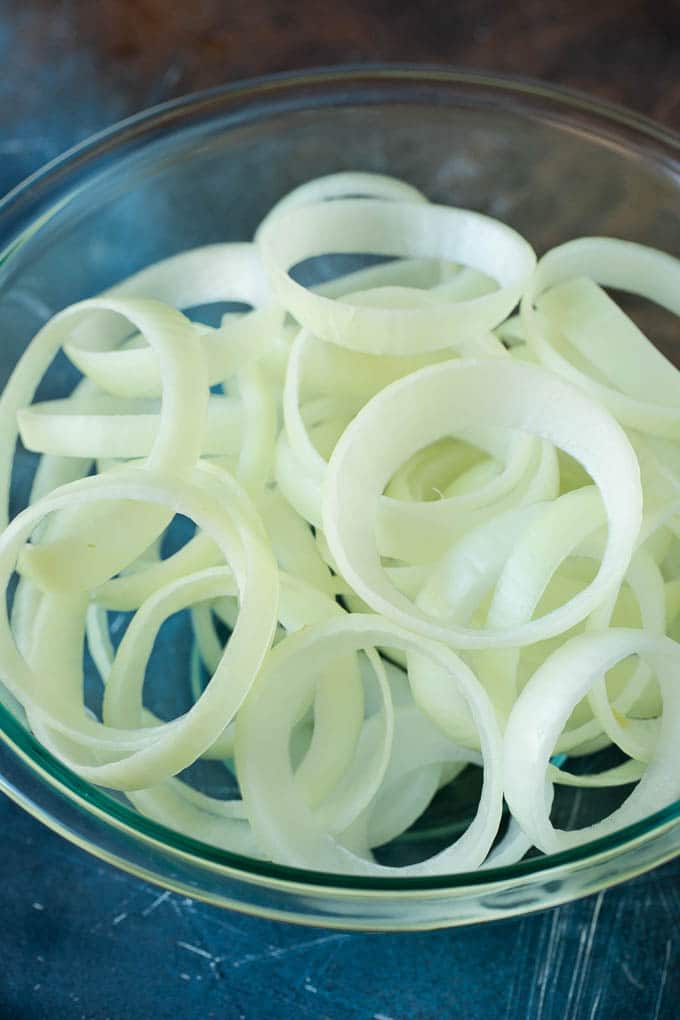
80	940
70	67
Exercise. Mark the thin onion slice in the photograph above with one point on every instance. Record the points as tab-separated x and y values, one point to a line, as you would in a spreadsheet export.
401	229
544	706
282	823
443	400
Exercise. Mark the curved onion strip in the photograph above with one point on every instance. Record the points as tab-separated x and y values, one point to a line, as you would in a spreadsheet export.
87	549
442	400
171	335
367	374
399	229
345	184
281	822
636	737
430	471
544	706
397	807
54	471
360	782
338	703
128	591
642	388
299	488
621	775
418	530
552	537
417	747
208	645
133	372
214	273
122	706
453	591
213	821
338	706
256	455
293	542
106	426
450	482
201	276
516	556
424	274
510	850
422	531
166	750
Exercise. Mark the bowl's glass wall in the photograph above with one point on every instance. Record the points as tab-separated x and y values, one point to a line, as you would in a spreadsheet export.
207	171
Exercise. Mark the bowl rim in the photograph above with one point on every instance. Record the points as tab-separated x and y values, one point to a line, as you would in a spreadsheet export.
166	117
163	114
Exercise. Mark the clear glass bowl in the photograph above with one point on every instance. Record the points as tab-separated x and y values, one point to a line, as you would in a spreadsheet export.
551	163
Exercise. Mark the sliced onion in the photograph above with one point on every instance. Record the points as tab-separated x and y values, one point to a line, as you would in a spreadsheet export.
152	755
544	706
408	323
282	823
396	438
621	368
444	400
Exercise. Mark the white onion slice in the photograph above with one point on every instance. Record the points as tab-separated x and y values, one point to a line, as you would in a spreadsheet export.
398	438
544	706
640	386
283	825
173	746
402	229
341	185
443	400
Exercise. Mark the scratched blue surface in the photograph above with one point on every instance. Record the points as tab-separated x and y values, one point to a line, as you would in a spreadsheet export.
82	940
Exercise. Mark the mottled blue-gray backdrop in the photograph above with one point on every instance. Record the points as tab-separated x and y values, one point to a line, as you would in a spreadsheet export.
80	940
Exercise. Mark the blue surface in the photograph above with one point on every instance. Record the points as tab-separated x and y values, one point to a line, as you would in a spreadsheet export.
82	940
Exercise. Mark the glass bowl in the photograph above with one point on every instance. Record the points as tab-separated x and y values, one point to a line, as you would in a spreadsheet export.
551	163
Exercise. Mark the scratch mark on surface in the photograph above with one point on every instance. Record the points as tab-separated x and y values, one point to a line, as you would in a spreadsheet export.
551	952
276	953
197	950
535	982
118	918
669	896
619	910
596	1003
664	901
565	923
156	903
631	977
583	956
662	985
205	921
519	970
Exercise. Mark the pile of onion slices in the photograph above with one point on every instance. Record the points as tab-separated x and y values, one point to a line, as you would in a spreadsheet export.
434	494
